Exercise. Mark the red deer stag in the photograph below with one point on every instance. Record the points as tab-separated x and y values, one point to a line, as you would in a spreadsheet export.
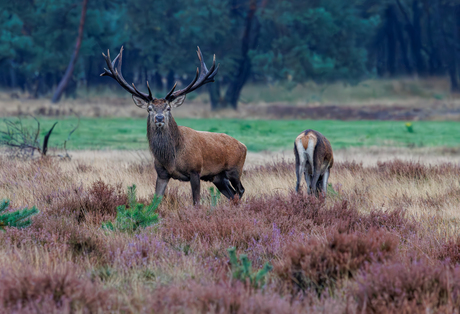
313	159
180	152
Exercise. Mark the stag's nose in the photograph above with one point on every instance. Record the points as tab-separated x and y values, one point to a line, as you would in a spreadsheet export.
159	118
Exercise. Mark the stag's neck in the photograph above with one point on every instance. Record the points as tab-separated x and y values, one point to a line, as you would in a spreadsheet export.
164	142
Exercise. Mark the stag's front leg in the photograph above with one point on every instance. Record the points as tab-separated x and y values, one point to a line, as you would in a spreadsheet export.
195	183
161	185
162	180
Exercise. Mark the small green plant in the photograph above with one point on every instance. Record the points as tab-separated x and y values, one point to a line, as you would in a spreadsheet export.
409	127
18	219
136	216
215	196
331	191
242	270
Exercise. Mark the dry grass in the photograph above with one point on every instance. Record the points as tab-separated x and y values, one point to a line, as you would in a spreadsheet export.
394	217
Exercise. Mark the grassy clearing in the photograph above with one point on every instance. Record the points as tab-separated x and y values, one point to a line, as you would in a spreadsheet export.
258	135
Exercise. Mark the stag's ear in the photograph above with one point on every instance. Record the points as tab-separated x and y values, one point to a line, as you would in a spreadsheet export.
140	102
178	101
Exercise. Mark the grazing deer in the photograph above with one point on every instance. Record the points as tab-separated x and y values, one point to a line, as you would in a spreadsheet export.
180	152
314	159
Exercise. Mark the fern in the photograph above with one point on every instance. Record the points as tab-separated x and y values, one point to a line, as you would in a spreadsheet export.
242	270
136	216
18	219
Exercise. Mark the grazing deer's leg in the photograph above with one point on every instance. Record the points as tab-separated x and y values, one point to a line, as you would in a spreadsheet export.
325	178
300	160
308	181
223	186
314	182
195	183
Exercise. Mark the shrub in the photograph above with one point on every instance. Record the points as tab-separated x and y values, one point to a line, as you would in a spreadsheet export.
18	218
401	169
450	251
320	265
136	216
415	288
94	205
49	291
242	270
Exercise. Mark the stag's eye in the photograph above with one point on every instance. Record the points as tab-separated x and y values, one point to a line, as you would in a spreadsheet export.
168	109
150	108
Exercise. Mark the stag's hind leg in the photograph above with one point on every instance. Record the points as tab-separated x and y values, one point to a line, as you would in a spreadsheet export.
196	187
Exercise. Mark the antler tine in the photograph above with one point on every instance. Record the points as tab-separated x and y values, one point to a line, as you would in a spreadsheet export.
171	91
201	78
116	74
150	92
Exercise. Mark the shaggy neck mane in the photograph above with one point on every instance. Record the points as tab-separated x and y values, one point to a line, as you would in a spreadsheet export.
164	141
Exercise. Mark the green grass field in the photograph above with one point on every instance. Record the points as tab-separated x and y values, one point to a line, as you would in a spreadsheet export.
257	135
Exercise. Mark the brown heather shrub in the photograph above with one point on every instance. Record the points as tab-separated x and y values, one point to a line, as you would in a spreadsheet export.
415	170
450	251
352	166
83	168
269	223
222	297
103	200
278	167
94	205
60	234
319	265
46	291
417	287
403	169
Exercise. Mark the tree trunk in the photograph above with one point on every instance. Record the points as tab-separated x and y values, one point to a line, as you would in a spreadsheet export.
214	96
399	32
391	41
417	38
13	78
413	29
68	73
236	85
447	51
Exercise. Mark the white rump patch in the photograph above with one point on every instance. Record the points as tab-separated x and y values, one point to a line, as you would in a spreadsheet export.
301	152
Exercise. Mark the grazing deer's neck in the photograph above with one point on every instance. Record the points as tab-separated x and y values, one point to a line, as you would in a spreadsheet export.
164	142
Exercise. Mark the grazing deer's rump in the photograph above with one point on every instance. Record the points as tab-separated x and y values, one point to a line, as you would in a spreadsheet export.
313	160
182	153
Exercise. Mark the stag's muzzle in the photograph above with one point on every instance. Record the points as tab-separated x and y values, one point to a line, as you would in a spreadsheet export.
159	120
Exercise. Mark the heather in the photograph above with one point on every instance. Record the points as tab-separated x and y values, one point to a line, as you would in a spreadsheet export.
383	240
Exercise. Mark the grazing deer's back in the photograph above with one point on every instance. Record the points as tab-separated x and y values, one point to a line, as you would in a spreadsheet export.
322	145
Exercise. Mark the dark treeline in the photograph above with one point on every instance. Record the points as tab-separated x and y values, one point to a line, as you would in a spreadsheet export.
254	40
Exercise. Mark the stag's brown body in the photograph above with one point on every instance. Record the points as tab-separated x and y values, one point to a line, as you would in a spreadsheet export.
182	153
314	159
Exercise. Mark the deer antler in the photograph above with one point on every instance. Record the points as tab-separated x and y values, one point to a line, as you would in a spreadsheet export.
200	78
116	74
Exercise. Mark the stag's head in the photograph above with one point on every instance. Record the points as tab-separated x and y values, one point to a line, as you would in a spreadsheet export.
159	109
